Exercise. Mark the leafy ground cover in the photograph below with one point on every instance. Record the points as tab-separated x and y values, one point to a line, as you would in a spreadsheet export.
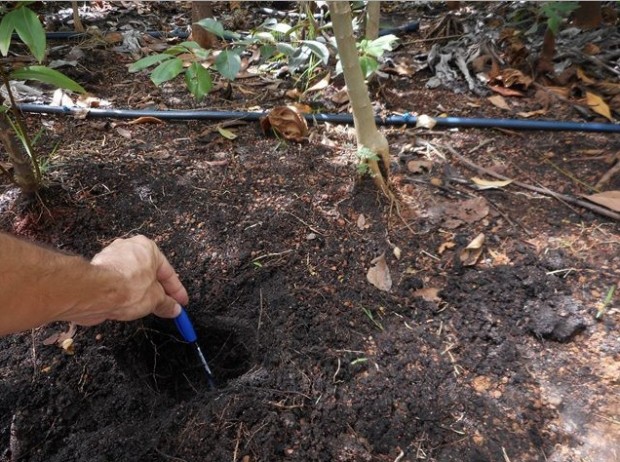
489	354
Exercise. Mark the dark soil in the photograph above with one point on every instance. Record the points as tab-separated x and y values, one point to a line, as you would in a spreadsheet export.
312	362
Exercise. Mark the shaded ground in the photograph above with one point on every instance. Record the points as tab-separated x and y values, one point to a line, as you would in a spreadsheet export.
313	363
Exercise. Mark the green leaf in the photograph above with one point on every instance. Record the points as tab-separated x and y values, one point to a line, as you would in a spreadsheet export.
286	49
7	26
299	58
148	62
47	75
190	45
212	25
378	46
228	64
279	27
264	37
198	81
369	65
167	70
267	51
226	133
201	53
319	49
30	30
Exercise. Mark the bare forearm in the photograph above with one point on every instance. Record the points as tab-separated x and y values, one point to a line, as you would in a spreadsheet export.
38	285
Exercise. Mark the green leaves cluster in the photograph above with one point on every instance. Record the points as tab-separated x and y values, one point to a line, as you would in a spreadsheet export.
188	58
275	41
365	154
556	12
25	23
370	51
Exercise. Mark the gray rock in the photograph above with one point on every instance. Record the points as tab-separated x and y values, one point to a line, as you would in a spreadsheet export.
558	318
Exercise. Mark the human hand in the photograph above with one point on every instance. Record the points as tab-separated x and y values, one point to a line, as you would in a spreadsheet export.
149	284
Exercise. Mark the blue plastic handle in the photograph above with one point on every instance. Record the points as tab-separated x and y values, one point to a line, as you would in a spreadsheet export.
185	326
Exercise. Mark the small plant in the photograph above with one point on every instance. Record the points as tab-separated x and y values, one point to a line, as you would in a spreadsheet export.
370	52
556	12
368	313
13	134
364	155
299	46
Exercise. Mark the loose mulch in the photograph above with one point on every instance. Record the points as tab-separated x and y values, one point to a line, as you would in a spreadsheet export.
501	360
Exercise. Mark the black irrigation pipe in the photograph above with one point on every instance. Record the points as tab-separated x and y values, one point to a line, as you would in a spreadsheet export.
405	119
183	34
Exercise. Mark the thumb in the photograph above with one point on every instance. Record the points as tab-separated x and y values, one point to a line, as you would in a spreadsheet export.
168	308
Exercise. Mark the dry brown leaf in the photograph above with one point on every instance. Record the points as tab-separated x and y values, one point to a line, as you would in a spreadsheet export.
430	294
424	121
60	337
469	211
445	246
591	49
145	120
527	115
581	75
504	92
481	183
609	199
499	258
123	132
301	108
320	85
379	275
499	101
470	254
419	166
597	104
286	121
293	93
560	91
472	210
341	96
515	78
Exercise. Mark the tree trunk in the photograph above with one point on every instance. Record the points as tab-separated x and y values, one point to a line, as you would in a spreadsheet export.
77	22
373	16
588	15
24	176
201	10
368	136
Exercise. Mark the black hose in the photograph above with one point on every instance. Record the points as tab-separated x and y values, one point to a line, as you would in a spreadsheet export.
405	119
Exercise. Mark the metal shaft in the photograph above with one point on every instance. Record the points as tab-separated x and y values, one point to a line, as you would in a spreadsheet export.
210	380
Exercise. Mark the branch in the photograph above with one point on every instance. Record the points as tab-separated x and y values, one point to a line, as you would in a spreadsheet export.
561	197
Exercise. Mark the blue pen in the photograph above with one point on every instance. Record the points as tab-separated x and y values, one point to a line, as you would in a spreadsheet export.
188	333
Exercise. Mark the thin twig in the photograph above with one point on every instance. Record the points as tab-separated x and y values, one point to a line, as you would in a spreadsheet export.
561	197
304	223
433	39
234	458
260	314
571	176
176	459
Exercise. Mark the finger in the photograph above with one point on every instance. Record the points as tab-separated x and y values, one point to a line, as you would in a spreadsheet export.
170	281
168	308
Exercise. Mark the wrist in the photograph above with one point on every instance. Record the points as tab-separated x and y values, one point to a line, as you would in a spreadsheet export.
97	292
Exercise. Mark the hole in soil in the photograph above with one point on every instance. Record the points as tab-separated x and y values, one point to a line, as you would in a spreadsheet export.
171	366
